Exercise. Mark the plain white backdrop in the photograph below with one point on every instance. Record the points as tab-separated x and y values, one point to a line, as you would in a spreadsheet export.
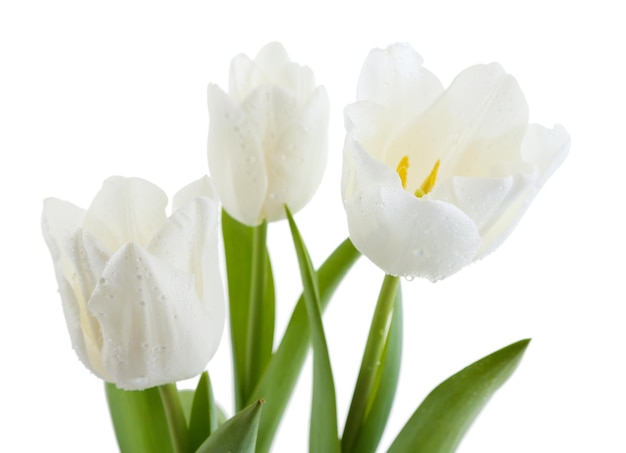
92	89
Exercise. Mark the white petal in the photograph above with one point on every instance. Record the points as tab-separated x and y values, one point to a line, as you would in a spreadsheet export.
298	80
125	209
475	128
60	221
154	325
235	152
408	236
271	59
371	125
202	187
362	170
395	78
88	259
297	160
482	199
244	77
546	149
189	242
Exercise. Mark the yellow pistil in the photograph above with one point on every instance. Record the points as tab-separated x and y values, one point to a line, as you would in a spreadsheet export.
403	169
429	182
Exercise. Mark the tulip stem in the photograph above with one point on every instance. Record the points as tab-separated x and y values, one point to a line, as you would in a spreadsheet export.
254	356
376	342
175	417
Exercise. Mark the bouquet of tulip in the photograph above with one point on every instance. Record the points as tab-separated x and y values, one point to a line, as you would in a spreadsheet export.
433	179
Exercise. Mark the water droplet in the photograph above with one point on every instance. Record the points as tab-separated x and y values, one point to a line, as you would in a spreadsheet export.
102	281
409	278
139	276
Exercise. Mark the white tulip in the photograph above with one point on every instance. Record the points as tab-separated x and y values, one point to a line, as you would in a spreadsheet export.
268	137
142	293
435	179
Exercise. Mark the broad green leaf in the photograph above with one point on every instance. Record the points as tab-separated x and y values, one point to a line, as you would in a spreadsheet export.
139	420
203	419
440	422
323	434
279	380
238	246
383	365
237	435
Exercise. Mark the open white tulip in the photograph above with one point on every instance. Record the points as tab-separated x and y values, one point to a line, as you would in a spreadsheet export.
142	293
268	137
435	179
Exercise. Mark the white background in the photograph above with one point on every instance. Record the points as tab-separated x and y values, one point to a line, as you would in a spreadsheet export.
91	89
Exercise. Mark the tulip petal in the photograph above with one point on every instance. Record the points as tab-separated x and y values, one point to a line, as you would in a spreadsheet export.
153	323
395	78
361	169
125	209
482	199
546	149
298	158
270	60
475	128
202	187
189	242
298	80
372	126
243	77
59	219
235	153
408	236
269	67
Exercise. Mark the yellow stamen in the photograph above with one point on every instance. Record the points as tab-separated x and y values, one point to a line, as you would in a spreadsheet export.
429	182
403	169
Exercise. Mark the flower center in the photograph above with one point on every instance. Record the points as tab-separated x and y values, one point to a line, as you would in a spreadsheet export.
403	169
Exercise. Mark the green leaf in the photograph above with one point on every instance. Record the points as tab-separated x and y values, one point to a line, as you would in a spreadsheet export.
378	377
439	424
323	434
252	349
203	419
279	380
237	435
139	420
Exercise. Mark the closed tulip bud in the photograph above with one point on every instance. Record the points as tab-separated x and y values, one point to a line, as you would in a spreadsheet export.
267	137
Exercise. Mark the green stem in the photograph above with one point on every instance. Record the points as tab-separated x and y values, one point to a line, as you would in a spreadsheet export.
175	417
255	314
376	342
